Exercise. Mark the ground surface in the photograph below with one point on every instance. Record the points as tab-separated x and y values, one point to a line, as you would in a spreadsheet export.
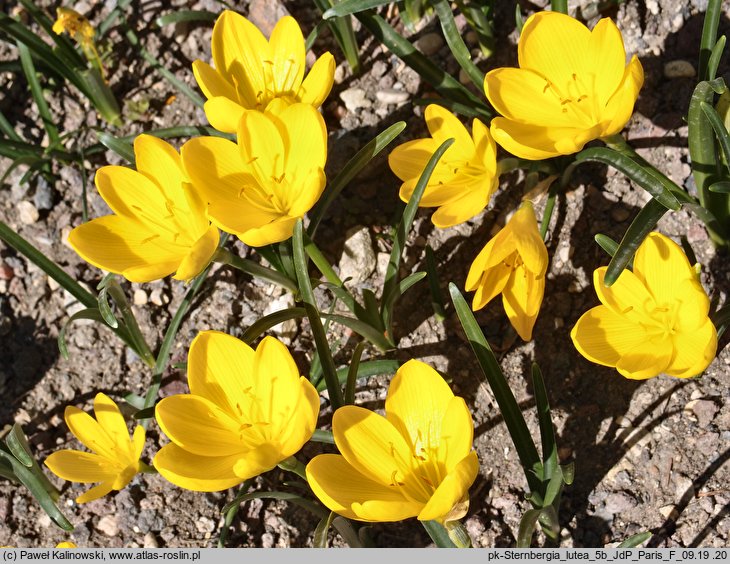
648	456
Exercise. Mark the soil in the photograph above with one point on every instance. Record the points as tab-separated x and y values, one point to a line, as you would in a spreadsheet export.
649	456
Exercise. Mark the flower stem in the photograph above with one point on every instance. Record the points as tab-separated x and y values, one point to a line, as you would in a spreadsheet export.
291	464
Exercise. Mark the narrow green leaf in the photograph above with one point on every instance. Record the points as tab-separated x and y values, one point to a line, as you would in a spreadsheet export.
438	533
65	48
559	6
344	34
644	222
255	269
549	522
401	234
350	170
719	127
455	107
310	305
568	471
513	418
555	485
135	400
230	514
186	16
372	310
140	345
365	370
144	414
636	540
121	147
709	36
606	243
18	445
320	532
321	436
271	320
354	539
444	83
456	43
314	34
88	313
720	187
715	56
547	430
434	286
6	127
101	96
33	479
363	329
36	92
310	506
105	310
400	289
352	374
347	7
658	185
519	22
527	527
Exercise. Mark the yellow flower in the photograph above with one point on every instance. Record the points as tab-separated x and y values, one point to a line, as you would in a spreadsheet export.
417	461
159	226
258	188
465	177
114	459
250	72
75	24
573	86
513	263
66	544
653	320
246	412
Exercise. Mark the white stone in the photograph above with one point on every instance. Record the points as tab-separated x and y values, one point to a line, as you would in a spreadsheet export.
358	260
392	96
27	213
109	525
354	99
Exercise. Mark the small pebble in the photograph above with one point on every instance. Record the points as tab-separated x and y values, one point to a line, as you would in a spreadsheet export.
429	44
679	69
43	197
140	297
27	213
354	99
109	525
150	541
391	96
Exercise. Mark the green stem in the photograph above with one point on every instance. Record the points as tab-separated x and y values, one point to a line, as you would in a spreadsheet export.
321	263
559	6
438	533
130	322
291	464
225	256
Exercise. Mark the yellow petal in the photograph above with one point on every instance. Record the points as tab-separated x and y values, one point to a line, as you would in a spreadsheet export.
457	434
239	50
452	490
160	162
95	493
220	369
318	82
443	125
112	421
693	351
527	239
298	428
486	148
555	45
212	82
126	246
276	383
261	145
197	473
662	265
199	256
416	404
305	139
408	160
78	466
344	490
621	105
606	60
525	96
372	445
131	194
628	295
224	113
88	431
522	297
66	544
646	360
199	426
471	203
603	336
488	284
536	142
287	49
138	441
306	192
278	230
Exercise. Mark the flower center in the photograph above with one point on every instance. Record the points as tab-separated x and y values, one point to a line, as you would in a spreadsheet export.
576	98
277	85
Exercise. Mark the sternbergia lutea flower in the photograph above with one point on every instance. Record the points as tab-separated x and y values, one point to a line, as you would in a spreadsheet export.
250	71
114	457
246	412
653	319
513	263
573	86
464	178
159	226
417	461
259	187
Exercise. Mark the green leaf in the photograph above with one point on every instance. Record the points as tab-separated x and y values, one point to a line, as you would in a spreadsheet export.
121	147
320	532
36	92
144	414
516	425
350	170
720	187
321	436
18	445
310	305
635	540
88	313
709	36
658	185
365	370
352	374
438	533
434	286
401	233
554	486
271	320
347	7
361	328
255	269
715	56
354	539
315	33
456	43
400	289
559	6
186	16
310	506
519	22
644	222
606	243
106	311
344	35
527	527
719	127
547	430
